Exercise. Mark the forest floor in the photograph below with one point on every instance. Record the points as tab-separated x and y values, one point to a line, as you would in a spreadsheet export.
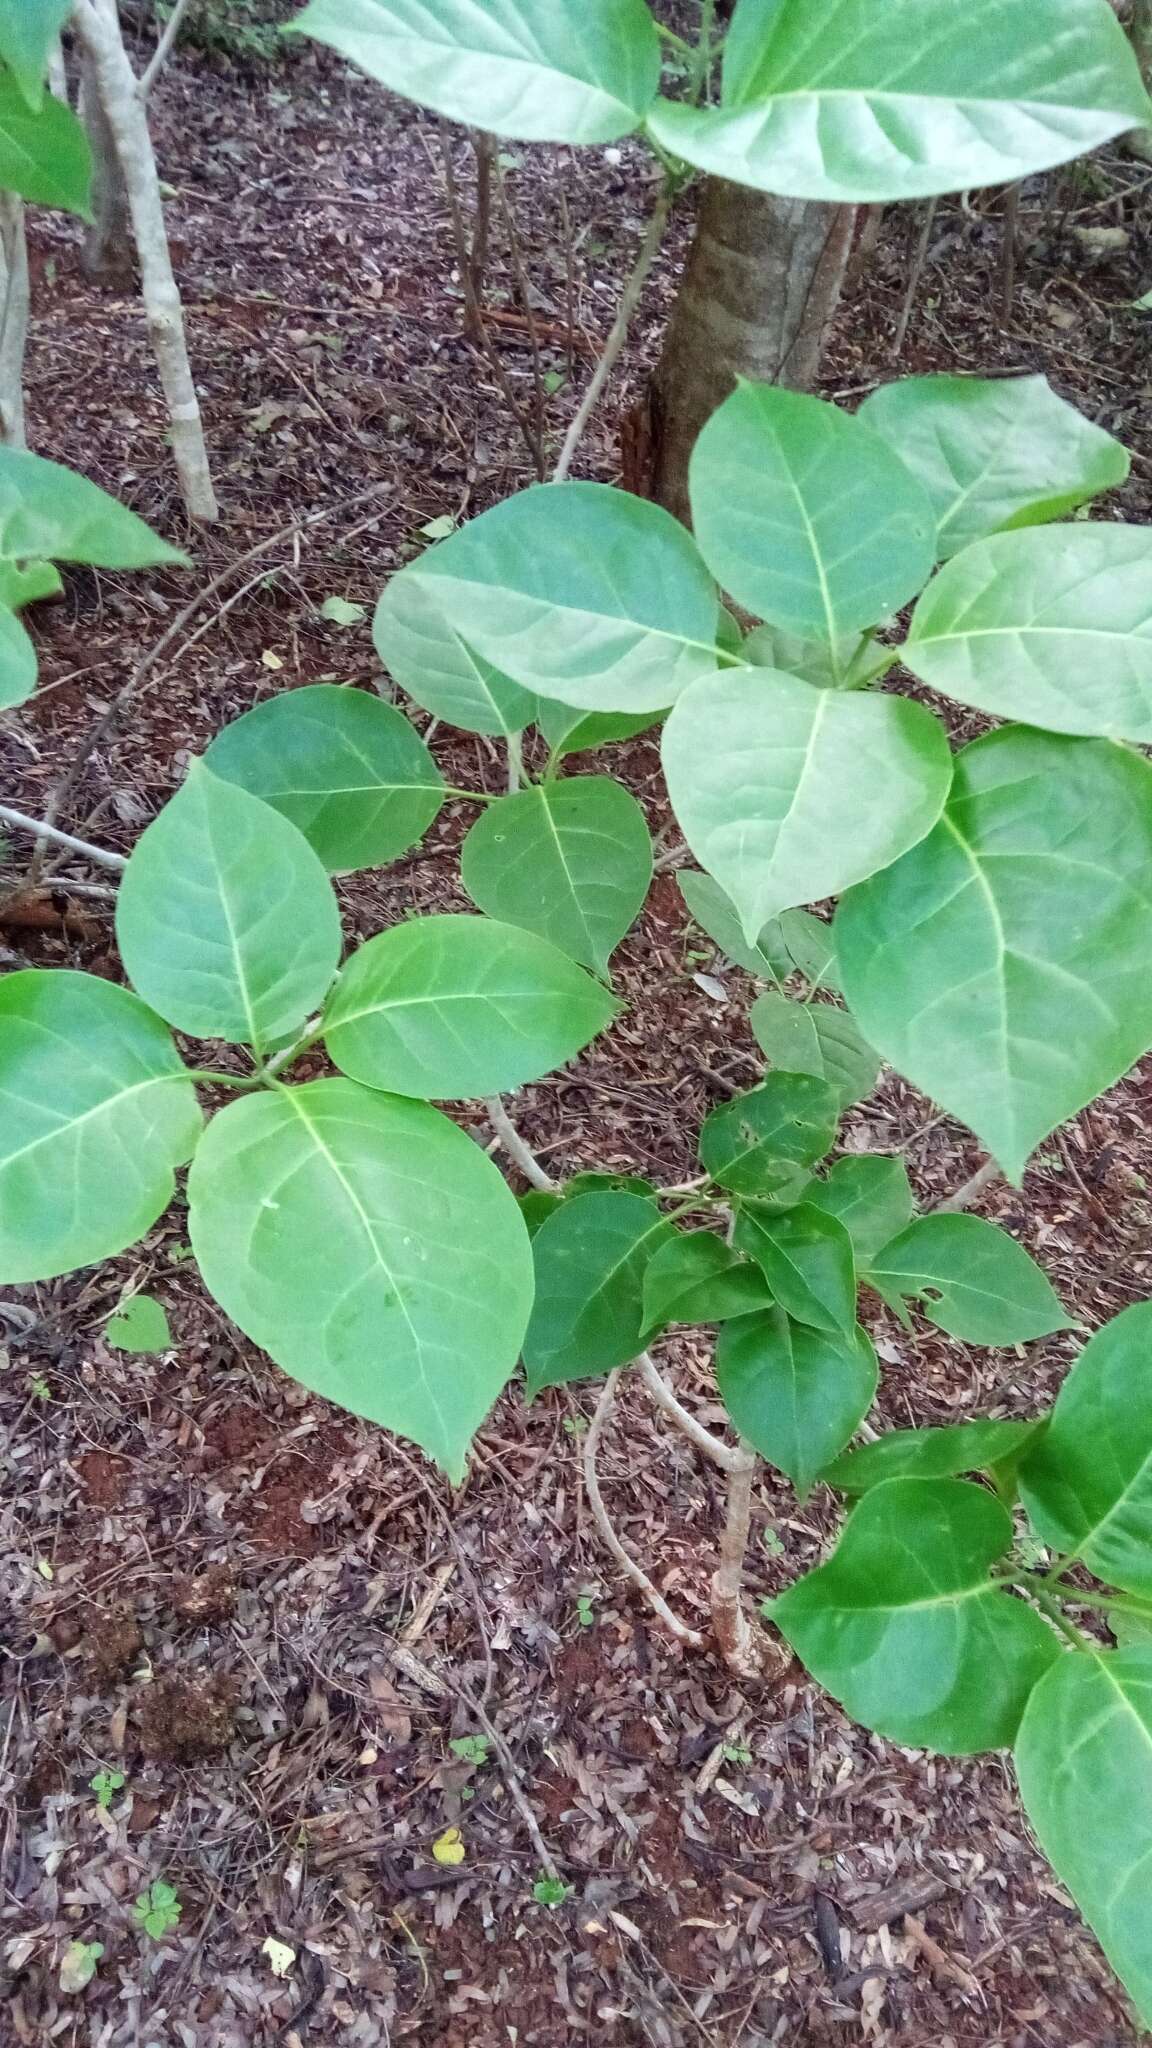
271	1620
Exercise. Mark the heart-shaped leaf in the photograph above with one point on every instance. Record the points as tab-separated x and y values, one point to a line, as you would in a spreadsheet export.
578	592
787	794
970	1279
524	68
591	1257
345	768
371	1249
1052	626
226	920
1084	1762
437	666
96	1113
806	516
994	452
571	860
905	1627
1005	965
1087	1482
796	1394
900	101
460	1006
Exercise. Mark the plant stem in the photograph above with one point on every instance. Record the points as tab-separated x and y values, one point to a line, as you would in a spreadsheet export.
1051	1607
613	347
675	42
469	796
41	830
210	1077
724	1455
703	53
627	1564
517	1148
312	1033
746	1651
515	763
163	48
966	1195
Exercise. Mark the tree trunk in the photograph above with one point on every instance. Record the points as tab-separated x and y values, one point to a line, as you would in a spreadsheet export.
13	318
107	249
762	282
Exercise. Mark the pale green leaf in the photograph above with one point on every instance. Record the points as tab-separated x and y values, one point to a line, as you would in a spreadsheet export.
1052	626
591	1256
96	1114
28	33
1005	965
524	68
340	612
870	1196
786	1034
806	1257
697	1278
905	1627
1087	1482
44	153
828	667
787	794
139	1325
571	860
226	920
18	664
795	1394
897	101
971	1279
49	514
439	669
929	1454
460	1006
994	452
788	1119
346	769
579	593
1084	1762
806	516
369	1246
569	731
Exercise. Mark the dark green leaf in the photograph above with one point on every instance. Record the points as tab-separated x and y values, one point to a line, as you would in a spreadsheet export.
571	860
789	1120
970	1279
806	1258
870	1197
905	1628
815	1038
929	1454
18	664
697	1278
795	1393
591	1257
569	731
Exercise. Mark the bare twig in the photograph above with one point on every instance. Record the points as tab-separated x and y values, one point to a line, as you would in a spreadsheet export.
474	318
914	276
539	395
517	1148
613	347
485	148
627	1564
966	1195
1008	250
163	49
100	854
724	1455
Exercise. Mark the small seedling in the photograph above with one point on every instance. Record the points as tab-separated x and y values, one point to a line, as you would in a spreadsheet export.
471	1749
575	1425
551	1891
38	1388
106	1784
78	1965
737	1753
158	1909
585	1610
139	1325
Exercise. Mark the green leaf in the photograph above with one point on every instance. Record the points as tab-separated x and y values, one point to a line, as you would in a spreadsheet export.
796	1394
788	1119
905	1628
994	452
535	1207
460	1006
226	920
523	68
48	513
1087	1482
139	1325
571	860
369	1246
929	1454
869	1196
28	32
827	667
580	593
806	516
346	769
798	940
787	794
591	1256
1084	1763
44	153
970	1279
339	612
1051	626
898	102
18	664
696	1278
594	1183
809	945
806	1258
569	731
438	668
1005	965
815	1038
96	1114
